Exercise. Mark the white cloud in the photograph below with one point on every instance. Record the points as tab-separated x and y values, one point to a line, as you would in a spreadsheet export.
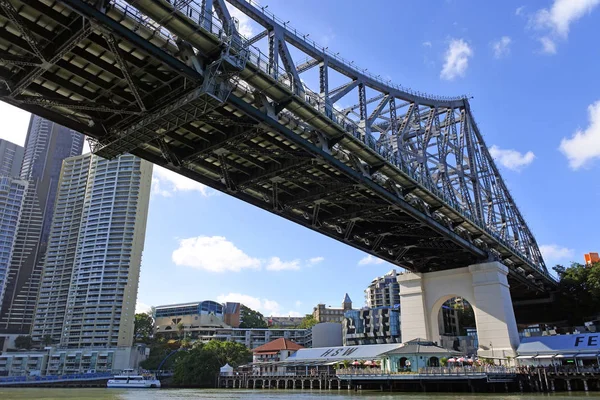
548	45
14	123
217	254
556	21
511	159
370	260
276	264
427	44
166	183
315	260
265	306
562	14
298	303
556	254
584	145
501	47
519	10
213	253
142	307
456	60
294	314
244	26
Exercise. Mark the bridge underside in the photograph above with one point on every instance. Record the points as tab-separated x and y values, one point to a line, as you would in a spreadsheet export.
93	69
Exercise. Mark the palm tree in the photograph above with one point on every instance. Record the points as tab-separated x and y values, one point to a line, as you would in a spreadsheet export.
186	343
180	329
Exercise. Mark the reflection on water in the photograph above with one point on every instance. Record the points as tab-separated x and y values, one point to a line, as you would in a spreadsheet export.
140	394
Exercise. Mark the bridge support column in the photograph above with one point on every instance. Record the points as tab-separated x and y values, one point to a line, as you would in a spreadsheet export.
483	285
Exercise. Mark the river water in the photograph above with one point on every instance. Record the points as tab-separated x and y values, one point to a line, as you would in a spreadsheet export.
198	394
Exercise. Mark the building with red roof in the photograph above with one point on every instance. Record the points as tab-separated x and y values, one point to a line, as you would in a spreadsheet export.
274	351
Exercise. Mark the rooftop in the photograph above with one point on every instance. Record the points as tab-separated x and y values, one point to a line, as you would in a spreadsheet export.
278	345
421	346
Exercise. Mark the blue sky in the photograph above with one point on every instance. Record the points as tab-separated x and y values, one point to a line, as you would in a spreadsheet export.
531	68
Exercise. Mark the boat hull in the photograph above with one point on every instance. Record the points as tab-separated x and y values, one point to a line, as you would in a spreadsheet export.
149	384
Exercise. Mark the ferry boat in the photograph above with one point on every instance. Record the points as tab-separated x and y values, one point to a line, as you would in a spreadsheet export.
128	379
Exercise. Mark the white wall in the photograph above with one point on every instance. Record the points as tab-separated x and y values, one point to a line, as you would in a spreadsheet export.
484	286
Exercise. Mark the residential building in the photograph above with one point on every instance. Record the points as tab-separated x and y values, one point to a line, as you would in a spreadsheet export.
91	271
264	357
371	326
57	361
283	322
384	291
11	158
209	320
46	146
591	258
12	194
328	314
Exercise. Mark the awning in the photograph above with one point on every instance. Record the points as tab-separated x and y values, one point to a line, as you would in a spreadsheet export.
544	356
588	355
565	356
523	357
267	353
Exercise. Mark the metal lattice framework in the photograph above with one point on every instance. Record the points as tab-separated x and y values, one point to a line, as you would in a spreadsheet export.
401	175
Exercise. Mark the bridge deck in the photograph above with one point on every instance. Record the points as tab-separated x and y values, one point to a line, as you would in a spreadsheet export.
188	93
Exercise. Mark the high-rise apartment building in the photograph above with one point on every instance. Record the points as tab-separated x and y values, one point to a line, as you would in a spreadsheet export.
12	192
90	277
384	291
46	146
11	158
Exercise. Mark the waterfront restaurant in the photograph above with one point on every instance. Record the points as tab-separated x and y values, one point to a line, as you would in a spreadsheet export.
388	358
575	350
415	354
319	360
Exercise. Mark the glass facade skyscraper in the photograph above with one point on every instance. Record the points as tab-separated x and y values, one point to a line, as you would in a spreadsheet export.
90	276
46	146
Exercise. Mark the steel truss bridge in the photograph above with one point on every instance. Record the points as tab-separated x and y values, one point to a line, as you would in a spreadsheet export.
401	175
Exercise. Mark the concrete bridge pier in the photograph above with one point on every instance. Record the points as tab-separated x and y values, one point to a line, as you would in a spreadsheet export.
483	285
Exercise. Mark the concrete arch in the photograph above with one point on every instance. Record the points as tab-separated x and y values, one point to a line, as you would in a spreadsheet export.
484	286
437	306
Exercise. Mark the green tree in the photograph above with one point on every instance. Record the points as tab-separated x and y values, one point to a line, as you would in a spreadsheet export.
158	352
24	342
308	322
578	296
251	318
232	353
199	366
47	340
143	328
186	343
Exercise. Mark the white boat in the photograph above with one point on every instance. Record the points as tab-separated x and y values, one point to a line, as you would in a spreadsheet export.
128	379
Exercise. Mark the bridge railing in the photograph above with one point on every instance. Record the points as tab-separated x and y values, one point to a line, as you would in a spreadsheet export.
261	61
349	64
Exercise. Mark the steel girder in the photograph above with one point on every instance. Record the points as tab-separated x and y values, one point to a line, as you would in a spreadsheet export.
409	176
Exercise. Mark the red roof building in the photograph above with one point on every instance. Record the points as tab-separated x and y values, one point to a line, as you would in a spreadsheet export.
274	351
